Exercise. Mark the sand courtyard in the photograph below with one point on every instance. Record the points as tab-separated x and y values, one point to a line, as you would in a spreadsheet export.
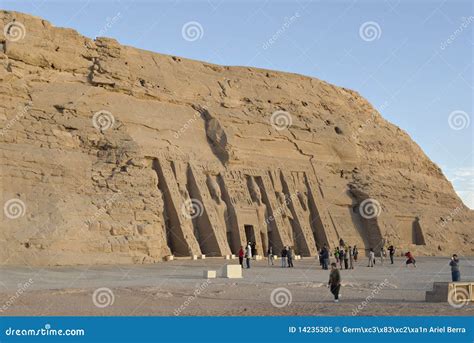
177	288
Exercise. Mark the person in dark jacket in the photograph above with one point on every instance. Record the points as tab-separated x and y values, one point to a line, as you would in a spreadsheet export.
455	272
289	257
284	254
334	281
325	257
391	252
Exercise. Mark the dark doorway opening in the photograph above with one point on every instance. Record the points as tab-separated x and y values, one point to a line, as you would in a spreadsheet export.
249	233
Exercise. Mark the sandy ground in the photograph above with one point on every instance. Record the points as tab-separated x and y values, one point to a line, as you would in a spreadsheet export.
178	288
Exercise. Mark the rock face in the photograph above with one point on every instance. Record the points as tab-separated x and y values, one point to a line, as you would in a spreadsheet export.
111	154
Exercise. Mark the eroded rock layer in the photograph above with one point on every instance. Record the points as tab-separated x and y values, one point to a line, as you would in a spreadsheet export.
118	155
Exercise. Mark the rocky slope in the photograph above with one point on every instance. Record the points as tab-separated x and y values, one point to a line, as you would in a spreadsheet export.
111	154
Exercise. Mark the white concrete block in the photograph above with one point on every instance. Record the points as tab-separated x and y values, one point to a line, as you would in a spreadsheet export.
232	257
233	271
210	274
258	257
169	258
194	257
227	257
203	257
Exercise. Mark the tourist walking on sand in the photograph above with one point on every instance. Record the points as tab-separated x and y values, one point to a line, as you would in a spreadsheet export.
284	254
334	283
371	258
341	256
248	255
325	257
351	258
410	259
346	258
382	254
289	256
355	253
270	255
391	252
455	272
241	256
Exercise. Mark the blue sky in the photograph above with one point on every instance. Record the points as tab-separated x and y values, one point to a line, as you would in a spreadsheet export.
412	59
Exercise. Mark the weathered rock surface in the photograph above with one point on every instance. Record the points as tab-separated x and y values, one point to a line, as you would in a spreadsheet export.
118	155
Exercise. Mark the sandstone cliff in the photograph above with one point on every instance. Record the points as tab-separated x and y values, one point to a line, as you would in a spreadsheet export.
111	154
